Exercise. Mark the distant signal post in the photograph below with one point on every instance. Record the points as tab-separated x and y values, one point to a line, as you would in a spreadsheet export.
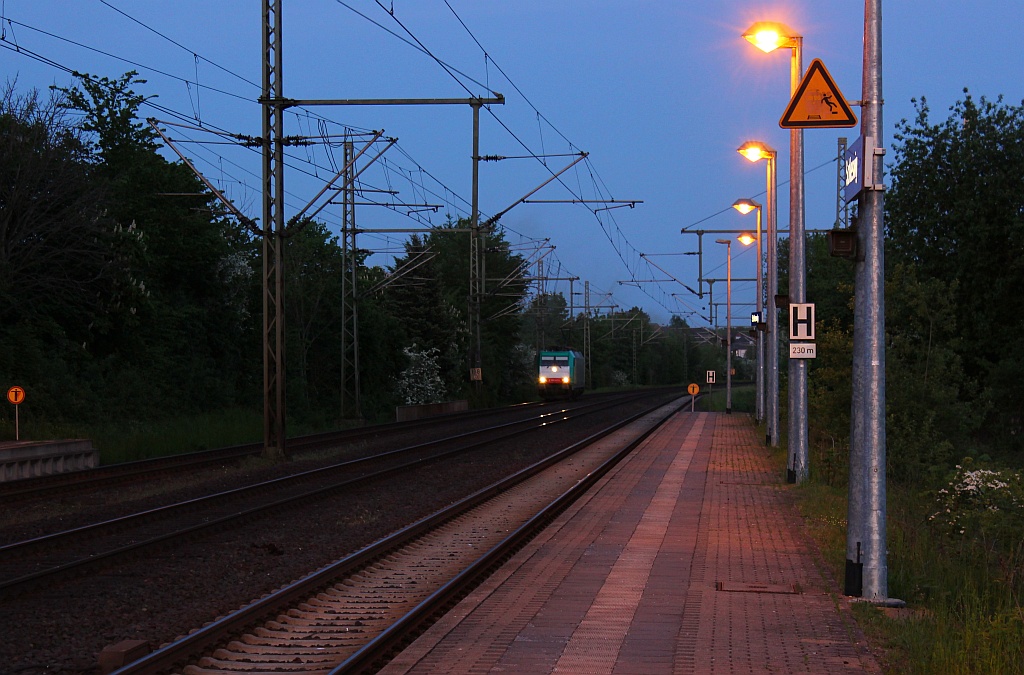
16	395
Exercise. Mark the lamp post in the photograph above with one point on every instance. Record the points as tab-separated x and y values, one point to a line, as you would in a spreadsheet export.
728	323
755	151
769	36
745	206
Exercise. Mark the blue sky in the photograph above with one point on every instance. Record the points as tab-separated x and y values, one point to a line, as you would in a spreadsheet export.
660	94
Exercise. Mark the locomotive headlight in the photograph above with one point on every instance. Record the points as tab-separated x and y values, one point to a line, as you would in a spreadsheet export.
543	380
554	369
565	380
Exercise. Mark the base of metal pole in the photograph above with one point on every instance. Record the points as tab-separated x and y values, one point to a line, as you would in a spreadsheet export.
790	476
884	602
854	582
728	411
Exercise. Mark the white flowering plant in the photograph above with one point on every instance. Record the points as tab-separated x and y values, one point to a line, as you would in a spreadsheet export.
982	505
421	381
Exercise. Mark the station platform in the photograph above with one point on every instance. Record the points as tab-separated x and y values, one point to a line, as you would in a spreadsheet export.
30	459
686	558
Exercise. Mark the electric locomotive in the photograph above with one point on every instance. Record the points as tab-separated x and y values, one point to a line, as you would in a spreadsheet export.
561	374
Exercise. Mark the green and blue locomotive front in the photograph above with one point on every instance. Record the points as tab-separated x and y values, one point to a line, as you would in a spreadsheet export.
561	374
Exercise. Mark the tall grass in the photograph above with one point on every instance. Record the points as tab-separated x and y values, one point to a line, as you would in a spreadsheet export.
714	401
964	612
125	441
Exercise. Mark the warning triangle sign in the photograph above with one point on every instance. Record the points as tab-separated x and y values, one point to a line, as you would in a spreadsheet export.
817	103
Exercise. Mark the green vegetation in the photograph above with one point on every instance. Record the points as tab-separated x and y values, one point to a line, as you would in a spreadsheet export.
743	396
955	433
963	590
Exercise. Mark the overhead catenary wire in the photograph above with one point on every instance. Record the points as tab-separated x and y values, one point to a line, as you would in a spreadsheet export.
292	161
169	112
311	161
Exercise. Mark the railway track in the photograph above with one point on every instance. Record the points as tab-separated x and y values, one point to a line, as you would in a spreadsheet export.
114	475
352	615
40	561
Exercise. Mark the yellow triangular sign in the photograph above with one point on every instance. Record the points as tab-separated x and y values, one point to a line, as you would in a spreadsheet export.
817	103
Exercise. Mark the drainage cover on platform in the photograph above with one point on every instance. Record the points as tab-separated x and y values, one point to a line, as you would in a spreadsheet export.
739	587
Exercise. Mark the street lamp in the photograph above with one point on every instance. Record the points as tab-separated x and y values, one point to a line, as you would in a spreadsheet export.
745	206
756	151
769	36
728	324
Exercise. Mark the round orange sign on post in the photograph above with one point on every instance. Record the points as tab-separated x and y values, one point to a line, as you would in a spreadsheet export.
16	395
693	389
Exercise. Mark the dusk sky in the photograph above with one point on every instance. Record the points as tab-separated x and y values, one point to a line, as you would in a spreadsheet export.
660	94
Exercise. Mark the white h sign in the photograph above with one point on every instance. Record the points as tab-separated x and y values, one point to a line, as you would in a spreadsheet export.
801	321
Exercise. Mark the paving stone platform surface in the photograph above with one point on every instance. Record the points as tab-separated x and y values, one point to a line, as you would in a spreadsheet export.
687	558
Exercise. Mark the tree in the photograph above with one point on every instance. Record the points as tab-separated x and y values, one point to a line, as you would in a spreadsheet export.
433	303
66	266
192	331
956	212
112	121
61	256
546	322
433	314
313	269
928	417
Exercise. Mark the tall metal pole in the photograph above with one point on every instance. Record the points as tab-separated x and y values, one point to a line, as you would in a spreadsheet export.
475	259
798	447
759	407
866	534
769	36
728	324
351	405
745	206
272	101
772	435
586	333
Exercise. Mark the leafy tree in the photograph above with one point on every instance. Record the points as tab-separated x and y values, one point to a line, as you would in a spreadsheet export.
928	420
111	119
433	302
382	338
956	212
193	330
614	340
433	314
313	313
545	322
61	256
928	424
66	267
